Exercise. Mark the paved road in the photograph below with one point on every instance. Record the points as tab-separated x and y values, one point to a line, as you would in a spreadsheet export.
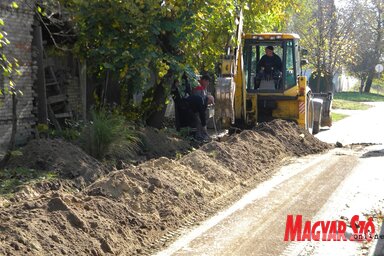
362	126
341	183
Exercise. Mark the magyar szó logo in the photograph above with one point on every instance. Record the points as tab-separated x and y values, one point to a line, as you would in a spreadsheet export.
335	230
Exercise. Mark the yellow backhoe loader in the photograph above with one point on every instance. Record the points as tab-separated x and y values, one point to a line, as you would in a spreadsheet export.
247	94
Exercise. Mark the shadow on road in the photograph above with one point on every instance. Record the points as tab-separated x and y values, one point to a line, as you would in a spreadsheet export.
373	153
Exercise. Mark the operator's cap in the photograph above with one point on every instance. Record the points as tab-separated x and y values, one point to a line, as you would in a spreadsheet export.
270	47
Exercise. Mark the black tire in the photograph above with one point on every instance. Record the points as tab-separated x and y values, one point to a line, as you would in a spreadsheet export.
316	128
309	116
316	124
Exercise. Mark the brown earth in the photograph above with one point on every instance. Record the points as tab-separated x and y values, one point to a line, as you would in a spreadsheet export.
157	143
56	155
139	208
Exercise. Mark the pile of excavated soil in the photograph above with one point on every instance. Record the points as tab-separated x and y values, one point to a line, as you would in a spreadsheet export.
295	139
153	143
126	212
158	143
64	158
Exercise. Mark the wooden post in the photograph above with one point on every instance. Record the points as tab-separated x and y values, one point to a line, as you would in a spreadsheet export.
42	113
83	86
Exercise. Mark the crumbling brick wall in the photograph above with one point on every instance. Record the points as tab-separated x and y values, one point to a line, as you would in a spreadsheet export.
18	26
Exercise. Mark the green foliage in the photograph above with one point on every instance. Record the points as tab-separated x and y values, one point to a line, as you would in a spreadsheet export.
323	84
143	40
378	86
366	40
99	136
146	44
14	5
271	16
71	132
10	179
325	33
136	39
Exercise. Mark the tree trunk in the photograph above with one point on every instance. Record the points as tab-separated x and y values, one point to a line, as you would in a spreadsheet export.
105	90
362	82
328	83
368	83
156	117
42	111
83	87
158	107
318	81
11	144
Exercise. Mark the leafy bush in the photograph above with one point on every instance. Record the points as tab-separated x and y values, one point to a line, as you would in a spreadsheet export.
106	130
71	132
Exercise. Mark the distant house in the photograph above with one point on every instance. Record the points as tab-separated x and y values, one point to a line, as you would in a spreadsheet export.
50	85
343	82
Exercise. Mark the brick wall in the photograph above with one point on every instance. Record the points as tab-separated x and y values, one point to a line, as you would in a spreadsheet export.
18	25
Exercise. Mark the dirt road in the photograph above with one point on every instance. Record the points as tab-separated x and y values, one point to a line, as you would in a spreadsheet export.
342	183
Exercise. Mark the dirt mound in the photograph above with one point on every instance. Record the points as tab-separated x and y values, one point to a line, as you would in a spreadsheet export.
68	160
294	138
152	143
158	143
134	210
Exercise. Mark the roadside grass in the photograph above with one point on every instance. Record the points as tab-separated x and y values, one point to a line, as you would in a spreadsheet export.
354	100
337	116
359	97
11	179
350	105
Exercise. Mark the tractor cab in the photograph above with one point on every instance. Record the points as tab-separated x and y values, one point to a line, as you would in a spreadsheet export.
271	69
266	74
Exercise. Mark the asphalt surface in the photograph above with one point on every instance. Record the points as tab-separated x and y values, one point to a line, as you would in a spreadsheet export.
337	185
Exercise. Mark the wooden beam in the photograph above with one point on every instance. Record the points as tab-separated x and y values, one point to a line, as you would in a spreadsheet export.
83	87
42	112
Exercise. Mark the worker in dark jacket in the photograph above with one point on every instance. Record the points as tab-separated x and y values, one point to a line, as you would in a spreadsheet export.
198	101
270	62
269	68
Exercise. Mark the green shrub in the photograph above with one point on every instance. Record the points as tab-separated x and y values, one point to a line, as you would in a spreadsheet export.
71	131
105	132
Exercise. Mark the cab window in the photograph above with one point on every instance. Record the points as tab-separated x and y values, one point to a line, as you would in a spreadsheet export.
290	66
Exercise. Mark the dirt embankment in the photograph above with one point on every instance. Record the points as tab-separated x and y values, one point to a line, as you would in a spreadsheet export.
68	160
132	210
